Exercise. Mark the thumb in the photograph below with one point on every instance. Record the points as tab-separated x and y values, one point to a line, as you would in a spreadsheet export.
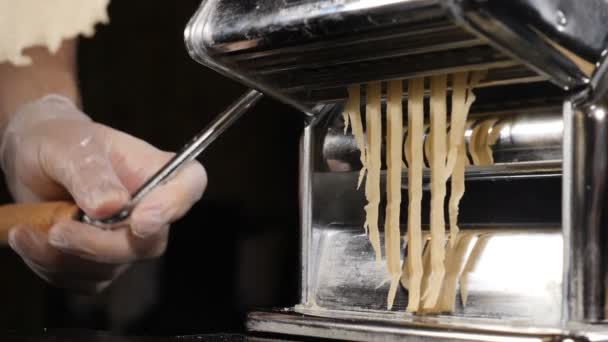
83	166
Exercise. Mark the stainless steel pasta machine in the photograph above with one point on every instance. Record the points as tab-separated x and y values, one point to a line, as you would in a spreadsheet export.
538	247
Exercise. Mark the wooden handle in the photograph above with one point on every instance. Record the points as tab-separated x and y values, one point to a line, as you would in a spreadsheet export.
38	215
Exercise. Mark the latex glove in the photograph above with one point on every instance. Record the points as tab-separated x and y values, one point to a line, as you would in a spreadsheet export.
52	151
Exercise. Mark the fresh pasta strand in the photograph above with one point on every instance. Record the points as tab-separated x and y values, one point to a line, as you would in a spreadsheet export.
426	265
426	145
405	275
352	113
461	106
457	190
438	189
493	136
394	136
414	143
476	77
474	145
478	147
471	264
345	114
429	275
455	262
406	271
428	142
458	118
373	160
456	164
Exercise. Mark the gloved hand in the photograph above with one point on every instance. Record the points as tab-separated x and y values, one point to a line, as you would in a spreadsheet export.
52	151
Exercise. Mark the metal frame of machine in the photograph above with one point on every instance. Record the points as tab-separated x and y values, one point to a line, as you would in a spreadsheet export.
303	52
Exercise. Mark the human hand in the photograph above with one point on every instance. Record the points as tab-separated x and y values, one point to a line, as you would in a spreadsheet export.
52	151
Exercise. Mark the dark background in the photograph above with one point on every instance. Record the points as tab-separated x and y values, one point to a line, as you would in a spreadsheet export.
237	248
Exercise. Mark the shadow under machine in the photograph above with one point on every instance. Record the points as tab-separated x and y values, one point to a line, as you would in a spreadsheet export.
538	256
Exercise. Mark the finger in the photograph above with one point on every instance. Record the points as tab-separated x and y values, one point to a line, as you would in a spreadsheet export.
166	203
51	263
81	163
169	201
134	160
106	246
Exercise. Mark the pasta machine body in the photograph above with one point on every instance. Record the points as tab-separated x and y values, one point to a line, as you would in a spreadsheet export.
537	237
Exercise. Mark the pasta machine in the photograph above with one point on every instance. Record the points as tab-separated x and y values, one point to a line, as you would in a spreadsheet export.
535	263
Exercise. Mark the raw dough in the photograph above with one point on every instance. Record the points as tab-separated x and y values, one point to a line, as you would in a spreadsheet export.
27	23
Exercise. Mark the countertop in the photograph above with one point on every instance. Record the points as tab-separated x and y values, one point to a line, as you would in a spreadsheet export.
94	336
100	336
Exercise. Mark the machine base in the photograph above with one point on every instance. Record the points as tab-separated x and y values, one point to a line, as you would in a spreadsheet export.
351	326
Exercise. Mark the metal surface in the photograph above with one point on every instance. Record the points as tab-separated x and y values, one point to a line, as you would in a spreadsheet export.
305	53
300	51
556	38
514	287
525	135
190	151
340	274
585	224
306	146
348	326
339	271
